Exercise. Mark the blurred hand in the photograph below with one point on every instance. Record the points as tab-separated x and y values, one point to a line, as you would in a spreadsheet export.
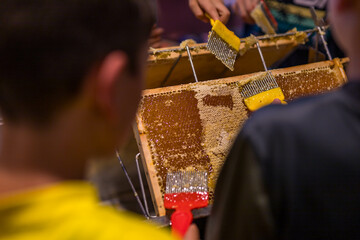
215	8
155	37
276	101
244	8
192	233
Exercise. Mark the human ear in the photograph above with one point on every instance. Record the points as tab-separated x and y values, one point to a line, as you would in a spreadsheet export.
111	70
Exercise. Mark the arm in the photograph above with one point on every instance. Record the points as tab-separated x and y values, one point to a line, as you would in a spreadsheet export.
215	8
241	207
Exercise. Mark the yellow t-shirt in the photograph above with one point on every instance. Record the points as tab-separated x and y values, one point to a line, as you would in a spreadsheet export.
69	210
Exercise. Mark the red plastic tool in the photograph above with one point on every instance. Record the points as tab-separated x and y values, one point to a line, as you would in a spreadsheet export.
185	191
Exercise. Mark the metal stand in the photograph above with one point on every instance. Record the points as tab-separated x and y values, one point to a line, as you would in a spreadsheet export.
143	204
320	26
261	56
145	213
191	62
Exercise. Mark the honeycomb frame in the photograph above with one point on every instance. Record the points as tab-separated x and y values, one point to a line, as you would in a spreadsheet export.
212	113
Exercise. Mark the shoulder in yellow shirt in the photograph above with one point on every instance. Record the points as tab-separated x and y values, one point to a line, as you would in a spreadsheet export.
69	210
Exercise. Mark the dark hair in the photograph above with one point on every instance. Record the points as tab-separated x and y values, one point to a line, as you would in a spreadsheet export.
48	46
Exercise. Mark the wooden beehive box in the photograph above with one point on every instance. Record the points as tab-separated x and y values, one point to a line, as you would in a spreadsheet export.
192	126
169	67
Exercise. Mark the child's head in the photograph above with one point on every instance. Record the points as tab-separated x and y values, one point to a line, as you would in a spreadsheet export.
345	19
82	59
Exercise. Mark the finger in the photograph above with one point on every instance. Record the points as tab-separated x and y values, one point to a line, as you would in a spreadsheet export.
245	15
192	233
249	7
156	32
276	101
154	40
235	8
208	6
156	45
241	9
254	3
198	12
223	12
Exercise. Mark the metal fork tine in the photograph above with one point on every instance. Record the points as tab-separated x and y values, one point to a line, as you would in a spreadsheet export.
177	182
222	50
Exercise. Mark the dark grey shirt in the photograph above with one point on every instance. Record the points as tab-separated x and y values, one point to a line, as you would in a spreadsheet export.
294	172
